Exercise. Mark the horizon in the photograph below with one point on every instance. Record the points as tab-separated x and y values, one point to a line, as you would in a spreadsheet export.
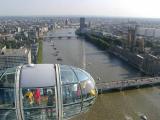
86	16
91	8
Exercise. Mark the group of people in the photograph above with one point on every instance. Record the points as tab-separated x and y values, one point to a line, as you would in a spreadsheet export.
43	97
33	96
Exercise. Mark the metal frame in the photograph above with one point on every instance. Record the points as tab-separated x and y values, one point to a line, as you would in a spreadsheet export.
17	95
80	88
59	98
19	106
56	95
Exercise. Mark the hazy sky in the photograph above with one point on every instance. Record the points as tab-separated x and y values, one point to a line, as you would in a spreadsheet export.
126	8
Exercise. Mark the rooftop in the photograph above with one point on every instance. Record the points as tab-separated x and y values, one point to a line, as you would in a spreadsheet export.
14	52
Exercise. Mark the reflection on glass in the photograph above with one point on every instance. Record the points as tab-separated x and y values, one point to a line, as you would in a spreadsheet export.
7	81
71	100
8	78
40	114
88	89
8	115
81	75
7	98
71	93
78	89
67	75
71	110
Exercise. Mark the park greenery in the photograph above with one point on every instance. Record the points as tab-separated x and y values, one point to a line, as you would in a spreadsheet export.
102	42
40	49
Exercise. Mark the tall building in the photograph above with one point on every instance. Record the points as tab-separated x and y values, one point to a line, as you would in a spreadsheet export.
18	29
14	57
82	23
131	38
66	21
34	52
140	42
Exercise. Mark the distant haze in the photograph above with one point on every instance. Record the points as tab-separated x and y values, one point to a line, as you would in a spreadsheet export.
116	8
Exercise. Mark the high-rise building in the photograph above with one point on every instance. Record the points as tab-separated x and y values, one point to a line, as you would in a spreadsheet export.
82	23
34	52
131	38
14	57
140	42
19	29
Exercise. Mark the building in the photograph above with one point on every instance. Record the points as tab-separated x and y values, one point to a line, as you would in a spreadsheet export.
82	23
140	44
14	57
34	52
131	38
19	29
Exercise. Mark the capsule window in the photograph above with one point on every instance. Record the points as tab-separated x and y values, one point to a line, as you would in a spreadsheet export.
7	79
71	93
81	75
67	75
8	115
88	93
39	103
7	96
72	101
88	89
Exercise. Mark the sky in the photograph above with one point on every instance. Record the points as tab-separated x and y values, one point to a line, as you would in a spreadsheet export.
116	8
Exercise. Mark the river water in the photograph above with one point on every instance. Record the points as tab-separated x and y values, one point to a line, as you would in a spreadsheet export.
128	105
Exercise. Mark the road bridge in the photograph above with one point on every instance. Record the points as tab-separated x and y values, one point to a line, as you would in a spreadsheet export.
60	37
121	85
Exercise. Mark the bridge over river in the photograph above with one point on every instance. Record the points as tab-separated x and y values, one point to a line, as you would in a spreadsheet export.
127	84
60	37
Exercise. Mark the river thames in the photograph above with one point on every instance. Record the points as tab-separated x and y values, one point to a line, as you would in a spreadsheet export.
126	105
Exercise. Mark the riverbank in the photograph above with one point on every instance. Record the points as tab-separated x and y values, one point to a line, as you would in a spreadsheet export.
100	41
146	63
40	49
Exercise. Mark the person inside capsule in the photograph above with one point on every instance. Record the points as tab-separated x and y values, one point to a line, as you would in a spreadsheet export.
45	92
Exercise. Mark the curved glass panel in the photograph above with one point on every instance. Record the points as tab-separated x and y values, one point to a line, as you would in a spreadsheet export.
81	75
67	75
71	93
7	96
89	93
39	103
88	89
78	89
8	115
72	102
7	79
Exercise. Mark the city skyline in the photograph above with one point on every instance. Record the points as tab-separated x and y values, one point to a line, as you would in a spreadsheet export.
114	8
